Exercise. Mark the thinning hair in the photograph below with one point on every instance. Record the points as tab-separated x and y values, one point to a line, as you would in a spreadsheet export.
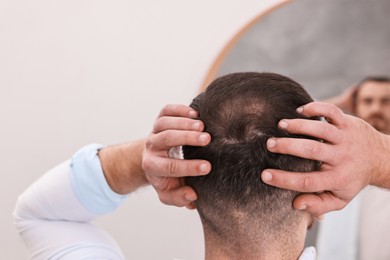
241	111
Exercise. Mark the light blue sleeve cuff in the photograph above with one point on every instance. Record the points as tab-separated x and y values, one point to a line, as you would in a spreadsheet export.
89	183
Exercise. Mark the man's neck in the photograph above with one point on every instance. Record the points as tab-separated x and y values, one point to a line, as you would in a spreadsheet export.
265	246
216	254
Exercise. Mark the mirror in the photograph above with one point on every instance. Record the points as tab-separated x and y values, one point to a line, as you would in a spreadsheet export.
327	46
324	45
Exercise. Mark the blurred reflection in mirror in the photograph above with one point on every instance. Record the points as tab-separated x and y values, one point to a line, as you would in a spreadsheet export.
329	47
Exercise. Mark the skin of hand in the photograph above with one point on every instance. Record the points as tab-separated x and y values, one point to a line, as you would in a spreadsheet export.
176	125
132	165
353	155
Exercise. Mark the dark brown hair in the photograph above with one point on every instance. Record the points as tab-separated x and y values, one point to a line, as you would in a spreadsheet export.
241	111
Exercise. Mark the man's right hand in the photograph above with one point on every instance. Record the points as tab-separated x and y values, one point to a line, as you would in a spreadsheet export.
353	155
175	126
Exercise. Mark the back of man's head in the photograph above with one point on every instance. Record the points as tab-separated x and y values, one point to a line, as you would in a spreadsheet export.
241	111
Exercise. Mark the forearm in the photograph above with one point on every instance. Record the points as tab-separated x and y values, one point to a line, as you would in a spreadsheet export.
344	101
70	195
339	102
122	166
81	184
93	182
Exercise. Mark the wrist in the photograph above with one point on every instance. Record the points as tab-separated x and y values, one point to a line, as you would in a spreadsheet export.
381	176
121	165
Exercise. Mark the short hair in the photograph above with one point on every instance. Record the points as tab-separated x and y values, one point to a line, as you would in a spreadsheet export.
241	111
381	79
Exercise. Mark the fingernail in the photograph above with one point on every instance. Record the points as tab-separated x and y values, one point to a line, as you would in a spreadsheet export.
320	218
196	126
188	197
192	113
203	138
302	207
271	143
266	176
204	167
300	109
283	124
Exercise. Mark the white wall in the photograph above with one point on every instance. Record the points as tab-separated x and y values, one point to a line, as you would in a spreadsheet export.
75	72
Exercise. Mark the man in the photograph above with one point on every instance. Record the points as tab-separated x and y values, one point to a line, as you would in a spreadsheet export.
242	217
371	102
353	155
262	222
373	105
357	232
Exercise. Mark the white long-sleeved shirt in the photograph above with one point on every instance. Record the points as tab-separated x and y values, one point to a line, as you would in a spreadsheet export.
53	215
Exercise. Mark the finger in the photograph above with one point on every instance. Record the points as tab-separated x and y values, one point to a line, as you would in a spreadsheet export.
314	128
183	196
304	148
178	123
298	181
318	204
178	110
171	138
170	167
331	112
